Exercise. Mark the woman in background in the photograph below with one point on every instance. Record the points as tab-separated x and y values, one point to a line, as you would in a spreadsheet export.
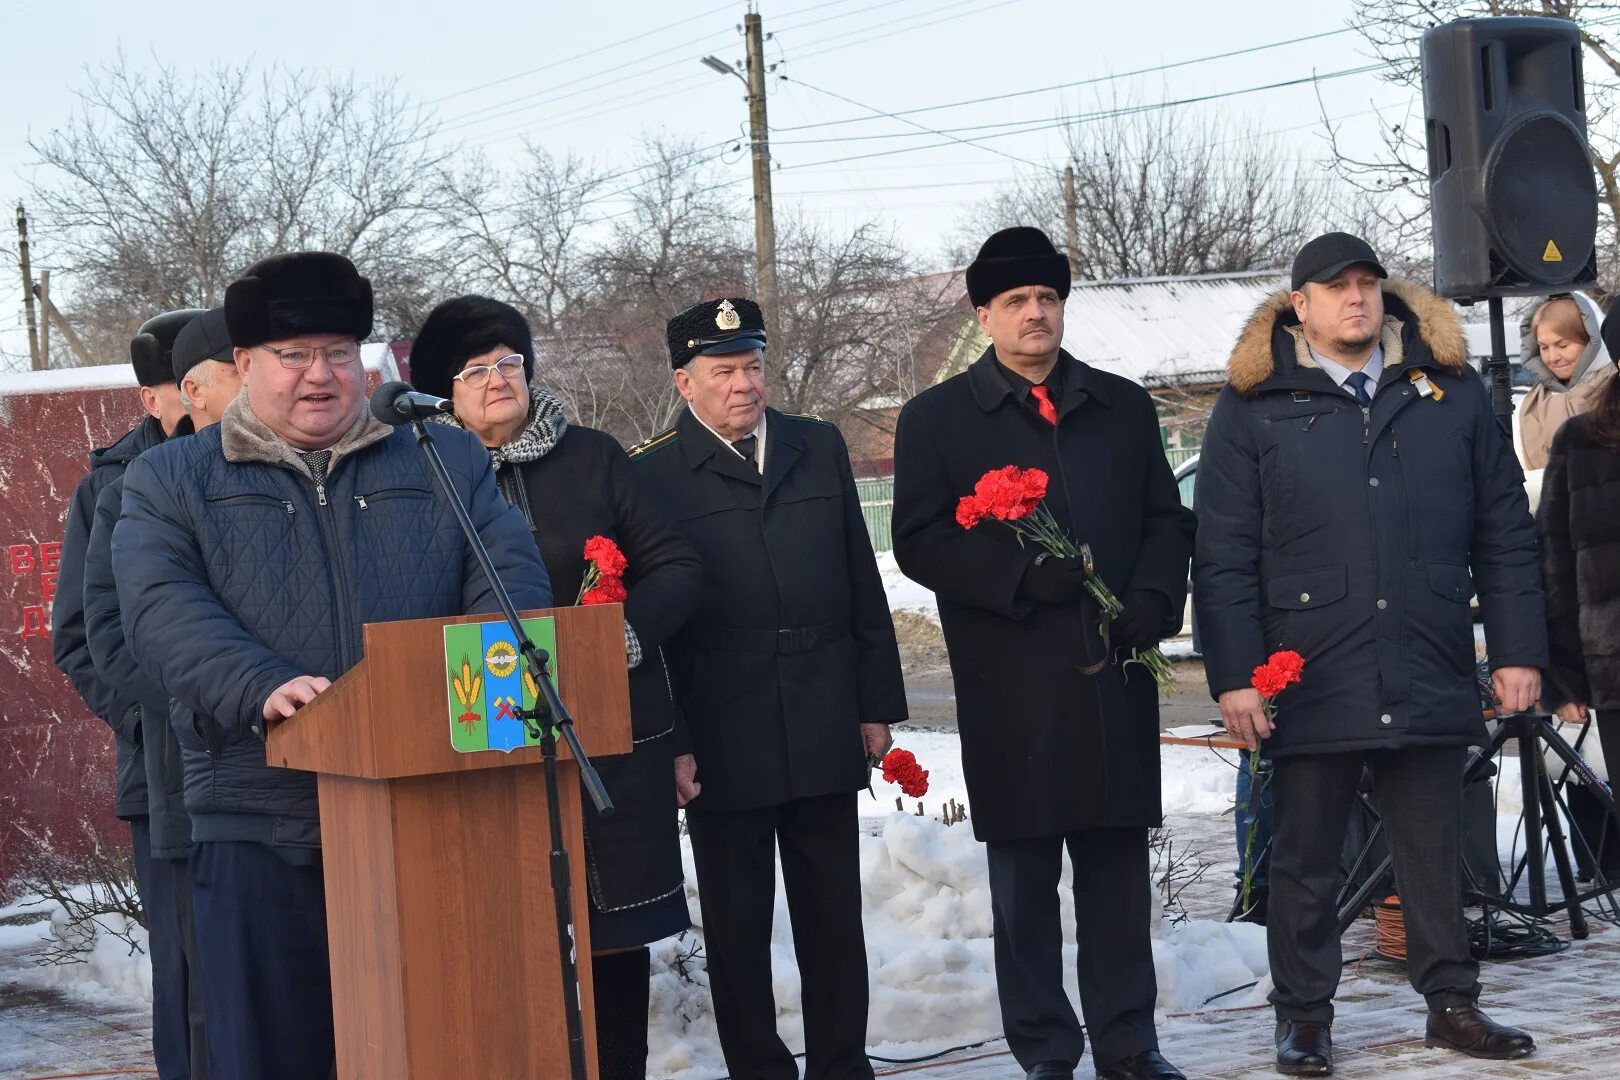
573	483
1563	350
1579	518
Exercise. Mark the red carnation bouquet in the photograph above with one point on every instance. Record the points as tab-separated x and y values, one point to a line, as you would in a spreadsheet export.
1280	671
900	767
1016	498
605	566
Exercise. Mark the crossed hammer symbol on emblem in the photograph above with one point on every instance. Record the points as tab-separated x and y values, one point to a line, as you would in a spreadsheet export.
505	708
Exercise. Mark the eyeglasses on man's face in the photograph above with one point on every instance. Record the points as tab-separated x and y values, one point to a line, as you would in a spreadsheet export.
476	376
299	357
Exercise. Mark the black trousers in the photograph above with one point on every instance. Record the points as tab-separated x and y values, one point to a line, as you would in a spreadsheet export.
735	856
261	936
1113	907
1420	798
178	1045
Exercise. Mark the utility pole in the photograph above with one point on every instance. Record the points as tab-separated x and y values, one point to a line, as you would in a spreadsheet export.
62	327
28	289
1071	220
45	326
759	136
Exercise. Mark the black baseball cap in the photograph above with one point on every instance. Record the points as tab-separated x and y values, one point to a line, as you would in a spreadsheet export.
1323	258
203	338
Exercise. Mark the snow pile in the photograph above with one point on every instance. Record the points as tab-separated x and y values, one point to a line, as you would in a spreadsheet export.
111	969
931	956
904	594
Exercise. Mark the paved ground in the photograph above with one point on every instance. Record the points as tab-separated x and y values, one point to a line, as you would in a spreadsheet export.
1570	1001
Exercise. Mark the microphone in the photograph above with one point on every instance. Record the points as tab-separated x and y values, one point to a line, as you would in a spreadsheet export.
395	403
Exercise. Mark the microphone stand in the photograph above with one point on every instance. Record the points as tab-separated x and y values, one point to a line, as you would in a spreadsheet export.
548	717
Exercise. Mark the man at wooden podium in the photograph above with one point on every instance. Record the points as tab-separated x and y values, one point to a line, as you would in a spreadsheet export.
788	676
248	558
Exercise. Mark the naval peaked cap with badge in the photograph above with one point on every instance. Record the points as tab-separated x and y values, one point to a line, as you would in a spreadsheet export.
731	324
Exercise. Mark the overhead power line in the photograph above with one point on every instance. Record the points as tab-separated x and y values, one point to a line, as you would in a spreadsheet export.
1029	127
1081	82
923	127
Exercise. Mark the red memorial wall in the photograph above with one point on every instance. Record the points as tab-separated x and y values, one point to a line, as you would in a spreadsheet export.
57	766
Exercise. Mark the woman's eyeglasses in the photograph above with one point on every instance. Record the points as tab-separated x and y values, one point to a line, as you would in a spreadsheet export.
474	378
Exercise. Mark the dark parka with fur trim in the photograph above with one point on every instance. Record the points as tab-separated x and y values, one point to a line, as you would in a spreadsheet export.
1356	537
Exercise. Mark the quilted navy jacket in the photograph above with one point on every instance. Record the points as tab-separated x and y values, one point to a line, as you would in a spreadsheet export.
237	572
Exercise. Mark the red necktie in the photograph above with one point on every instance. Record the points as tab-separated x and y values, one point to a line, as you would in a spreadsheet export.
1043	399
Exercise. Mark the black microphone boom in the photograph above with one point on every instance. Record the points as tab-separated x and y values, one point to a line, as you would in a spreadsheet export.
395	403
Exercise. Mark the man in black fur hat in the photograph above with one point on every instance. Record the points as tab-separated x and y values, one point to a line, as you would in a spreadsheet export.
1060	741
247	560
150	352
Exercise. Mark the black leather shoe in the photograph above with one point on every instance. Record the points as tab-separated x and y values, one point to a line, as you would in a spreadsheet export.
1468	1031
1148	1065
1304	1048
1051	1070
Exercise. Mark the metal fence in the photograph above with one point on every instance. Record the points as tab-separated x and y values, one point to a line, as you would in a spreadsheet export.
877	505
877	500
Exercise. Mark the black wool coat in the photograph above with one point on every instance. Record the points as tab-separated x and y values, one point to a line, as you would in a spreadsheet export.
584	487
1580	561
1046	748
792	647
1356	538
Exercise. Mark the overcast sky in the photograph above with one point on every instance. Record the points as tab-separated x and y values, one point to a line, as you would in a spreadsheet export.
594	78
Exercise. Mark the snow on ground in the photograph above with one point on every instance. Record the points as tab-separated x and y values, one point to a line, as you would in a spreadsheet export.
928	929
904	594
113	970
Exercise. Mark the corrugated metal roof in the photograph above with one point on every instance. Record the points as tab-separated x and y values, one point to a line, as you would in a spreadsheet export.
1162	328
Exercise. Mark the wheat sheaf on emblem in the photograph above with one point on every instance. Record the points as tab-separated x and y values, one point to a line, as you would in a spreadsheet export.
467	686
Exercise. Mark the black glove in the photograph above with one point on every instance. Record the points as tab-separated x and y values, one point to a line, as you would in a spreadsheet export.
1141	624
1052	580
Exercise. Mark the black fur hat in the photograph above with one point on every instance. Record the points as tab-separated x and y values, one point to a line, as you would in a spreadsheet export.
302	292
151	350
727	325
1013	258
204	338
460	329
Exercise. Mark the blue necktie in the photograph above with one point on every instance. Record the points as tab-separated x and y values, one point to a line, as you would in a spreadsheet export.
1357	382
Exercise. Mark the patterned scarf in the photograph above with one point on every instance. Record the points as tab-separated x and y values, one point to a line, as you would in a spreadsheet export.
541	431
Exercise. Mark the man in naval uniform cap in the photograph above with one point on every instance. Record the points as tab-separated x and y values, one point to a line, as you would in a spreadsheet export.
789	678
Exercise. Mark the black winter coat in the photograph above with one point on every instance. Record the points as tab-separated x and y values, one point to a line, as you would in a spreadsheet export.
1580	561
1046	749
237	572
792	647
584	486
1356	538
170	827
69	644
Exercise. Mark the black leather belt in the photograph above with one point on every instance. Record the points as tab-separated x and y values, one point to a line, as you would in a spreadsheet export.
800	639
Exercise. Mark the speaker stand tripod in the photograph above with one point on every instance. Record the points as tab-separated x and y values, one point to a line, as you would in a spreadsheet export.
1543	830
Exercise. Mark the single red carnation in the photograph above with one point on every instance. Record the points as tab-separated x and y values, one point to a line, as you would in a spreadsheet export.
1289	663
897	761
608	590
1269	681
969	511
610	561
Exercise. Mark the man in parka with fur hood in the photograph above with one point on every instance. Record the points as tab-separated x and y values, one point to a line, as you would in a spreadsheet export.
1354	491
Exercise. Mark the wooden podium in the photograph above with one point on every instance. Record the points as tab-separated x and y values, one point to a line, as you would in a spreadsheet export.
438	892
